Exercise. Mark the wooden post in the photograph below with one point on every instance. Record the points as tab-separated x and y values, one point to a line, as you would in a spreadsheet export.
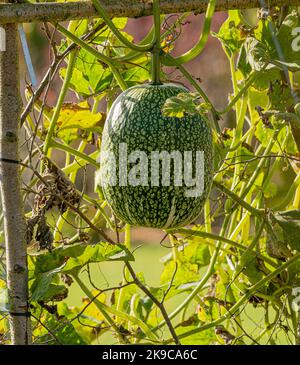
10	187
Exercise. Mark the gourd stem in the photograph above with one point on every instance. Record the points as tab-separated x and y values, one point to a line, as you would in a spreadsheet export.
155	67
156	50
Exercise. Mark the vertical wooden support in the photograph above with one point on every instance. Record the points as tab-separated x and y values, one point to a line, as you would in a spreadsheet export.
14	223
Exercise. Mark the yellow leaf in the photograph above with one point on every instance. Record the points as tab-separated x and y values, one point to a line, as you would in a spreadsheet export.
75	119
92	310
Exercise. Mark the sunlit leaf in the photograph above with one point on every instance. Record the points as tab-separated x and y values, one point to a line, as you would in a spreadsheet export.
41	288
177	106
97	253
230	34
206	337
74	119
289	221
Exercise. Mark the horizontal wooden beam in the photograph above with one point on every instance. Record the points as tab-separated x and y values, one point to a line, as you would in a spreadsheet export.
51	12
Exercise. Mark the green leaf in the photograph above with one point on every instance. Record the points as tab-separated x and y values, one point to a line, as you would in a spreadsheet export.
78	82
89	75
117	47
230	34
64	331
178	105
55	293
194	252
90	320
289	221
265	78
97	253
206	337
40	288
251	269
264	33
242	62
257	98
257	53
280	96
197	254
127	293
184	103
76	119
185	273
263	134
256	56
72	258
285	37
78	28
43	262
137	74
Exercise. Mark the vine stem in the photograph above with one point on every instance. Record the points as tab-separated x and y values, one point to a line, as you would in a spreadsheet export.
213	237
105	309
127	243
140	48
52	70
10	185
189	77
290	194
245	255
133	55
198	48
74	152
99	305
79	163
260	165
63	217
197	87
202	282
240	302
176	257
252	77
61	98
79	152
160	305
237	199
101	57
296	202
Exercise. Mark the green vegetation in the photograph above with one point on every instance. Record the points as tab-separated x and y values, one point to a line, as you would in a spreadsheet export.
227	277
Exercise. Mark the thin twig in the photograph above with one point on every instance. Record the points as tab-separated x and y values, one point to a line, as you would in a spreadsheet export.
155	301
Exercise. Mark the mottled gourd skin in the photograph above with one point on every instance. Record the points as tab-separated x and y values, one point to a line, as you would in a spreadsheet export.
136	119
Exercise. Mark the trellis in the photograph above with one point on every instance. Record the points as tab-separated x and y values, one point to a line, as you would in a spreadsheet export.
11	14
